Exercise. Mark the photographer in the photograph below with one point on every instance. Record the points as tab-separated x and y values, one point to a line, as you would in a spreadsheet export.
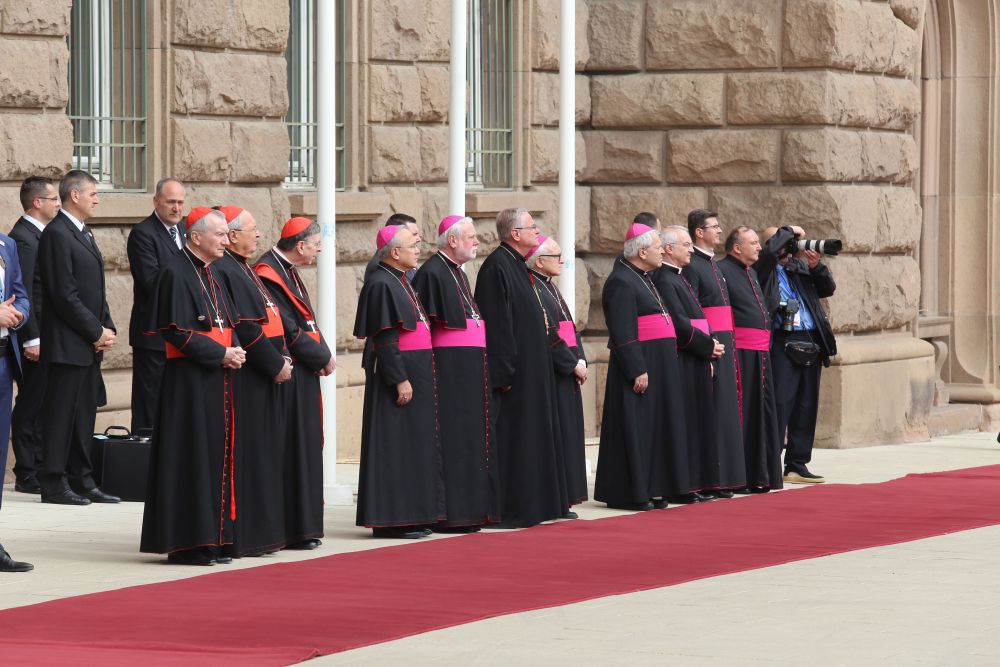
794	281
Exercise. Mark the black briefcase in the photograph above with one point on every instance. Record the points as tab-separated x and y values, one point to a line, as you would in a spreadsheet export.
121	462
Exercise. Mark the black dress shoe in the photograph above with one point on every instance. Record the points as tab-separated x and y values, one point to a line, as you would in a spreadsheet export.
67	497
8	564
570	514
455	530
400	533
97	496
632	507
684	499
700	497
28	485
724	493
304	545
660	504
196	556
759	489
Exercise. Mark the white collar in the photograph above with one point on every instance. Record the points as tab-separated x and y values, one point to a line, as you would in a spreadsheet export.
36	223
282	255
704	252
673	266
79	225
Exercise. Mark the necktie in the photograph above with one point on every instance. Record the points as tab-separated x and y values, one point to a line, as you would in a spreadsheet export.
173	234
90	237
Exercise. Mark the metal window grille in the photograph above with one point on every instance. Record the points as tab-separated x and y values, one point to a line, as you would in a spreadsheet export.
107	84
490	113
301	117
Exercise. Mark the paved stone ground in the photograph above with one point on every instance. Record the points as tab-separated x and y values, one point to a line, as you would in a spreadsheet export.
929	602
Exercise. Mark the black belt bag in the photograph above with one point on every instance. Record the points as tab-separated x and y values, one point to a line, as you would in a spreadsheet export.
802	352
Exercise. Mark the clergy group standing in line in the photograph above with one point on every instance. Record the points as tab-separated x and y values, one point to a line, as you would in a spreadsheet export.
236	466
473	415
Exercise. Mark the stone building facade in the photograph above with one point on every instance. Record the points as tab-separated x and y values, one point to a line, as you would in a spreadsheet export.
867	120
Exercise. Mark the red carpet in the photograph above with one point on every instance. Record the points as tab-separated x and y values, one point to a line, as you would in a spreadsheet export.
284	613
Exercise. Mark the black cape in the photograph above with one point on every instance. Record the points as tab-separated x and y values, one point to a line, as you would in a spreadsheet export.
467	440
569	398
643	452
761	443
711	290
189	499
525	416
401	481
303	463
261	412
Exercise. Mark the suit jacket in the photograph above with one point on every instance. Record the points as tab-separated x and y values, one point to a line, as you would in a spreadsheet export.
26	236
13	285
149	248
73	294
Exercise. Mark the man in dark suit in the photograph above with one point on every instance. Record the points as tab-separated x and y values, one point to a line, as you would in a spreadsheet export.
77	329
13	316
150	244
40	202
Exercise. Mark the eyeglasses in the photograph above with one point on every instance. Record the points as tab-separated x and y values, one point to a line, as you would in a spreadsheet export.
535	227
686	244
715	226
558	257
56	198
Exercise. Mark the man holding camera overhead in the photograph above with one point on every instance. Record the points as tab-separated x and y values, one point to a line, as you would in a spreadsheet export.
794	280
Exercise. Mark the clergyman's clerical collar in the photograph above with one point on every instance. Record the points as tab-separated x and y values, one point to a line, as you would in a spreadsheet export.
672	267
704	252
396	272
452	263
280	255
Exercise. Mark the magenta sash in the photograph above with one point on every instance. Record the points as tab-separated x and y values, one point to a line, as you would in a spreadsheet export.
567	331
470	336
702	326
753	339
720	318
420	339
655	327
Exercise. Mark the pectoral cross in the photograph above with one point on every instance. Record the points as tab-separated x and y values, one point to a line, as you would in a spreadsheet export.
475	316
312	325
218	321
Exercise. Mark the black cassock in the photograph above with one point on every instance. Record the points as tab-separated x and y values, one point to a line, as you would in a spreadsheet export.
401	481
643	451
189	496
712	293
525	417
303	465
761	444
467	439
262	408
695	347
567	351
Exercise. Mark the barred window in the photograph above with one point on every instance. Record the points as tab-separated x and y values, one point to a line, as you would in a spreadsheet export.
490	113
107	91
301	117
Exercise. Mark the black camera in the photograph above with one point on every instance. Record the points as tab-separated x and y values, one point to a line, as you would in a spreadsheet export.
788	310
830	247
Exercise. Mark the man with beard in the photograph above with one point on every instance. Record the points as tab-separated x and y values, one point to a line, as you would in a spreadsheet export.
262	400
642	462
401	484
712	292
761	441
458	335
298	246
522	379
570	365
697	351
190	501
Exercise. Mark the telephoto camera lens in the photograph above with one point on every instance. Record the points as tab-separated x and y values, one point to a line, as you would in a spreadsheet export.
824	247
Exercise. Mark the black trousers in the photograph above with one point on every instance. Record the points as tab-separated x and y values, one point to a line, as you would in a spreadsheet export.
25	431
147	372
72	394
796	391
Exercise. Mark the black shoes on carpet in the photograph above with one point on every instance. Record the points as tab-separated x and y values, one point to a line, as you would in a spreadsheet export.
304	545
401	532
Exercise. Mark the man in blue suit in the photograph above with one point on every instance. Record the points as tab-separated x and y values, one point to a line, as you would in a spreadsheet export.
13	315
